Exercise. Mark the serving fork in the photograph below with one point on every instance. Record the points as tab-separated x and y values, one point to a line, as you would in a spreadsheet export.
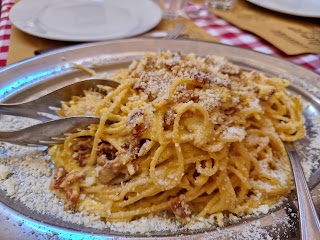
44	108
54	129
48	133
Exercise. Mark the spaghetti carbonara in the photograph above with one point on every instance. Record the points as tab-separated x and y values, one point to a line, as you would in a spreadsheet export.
193	136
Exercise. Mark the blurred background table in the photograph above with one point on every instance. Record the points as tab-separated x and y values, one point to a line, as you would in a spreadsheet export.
16	45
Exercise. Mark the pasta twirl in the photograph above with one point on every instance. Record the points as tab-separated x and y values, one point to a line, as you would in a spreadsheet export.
185	134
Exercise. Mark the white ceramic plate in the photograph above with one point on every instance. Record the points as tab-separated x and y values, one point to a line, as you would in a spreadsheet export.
303	8
85	20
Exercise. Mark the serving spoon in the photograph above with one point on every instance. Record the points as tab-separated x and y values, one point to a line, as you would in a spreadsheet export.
308	219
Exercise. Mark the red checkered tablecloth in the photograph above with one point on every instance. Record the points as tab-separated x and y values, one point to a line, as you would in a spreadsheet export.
5	27
224	31
231	35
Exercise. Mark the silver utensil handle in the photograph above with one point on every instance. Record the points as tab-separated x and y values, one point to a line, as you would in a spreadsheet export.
309	221
48	133
25	110
15	110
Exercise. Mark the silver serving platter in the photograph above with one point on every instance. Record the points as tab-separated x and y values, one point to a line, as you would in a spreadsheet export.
36	76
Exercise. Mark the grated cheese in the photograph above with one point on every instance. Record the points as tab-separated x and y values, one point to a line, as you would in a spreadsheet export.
25	175
234	134
4	172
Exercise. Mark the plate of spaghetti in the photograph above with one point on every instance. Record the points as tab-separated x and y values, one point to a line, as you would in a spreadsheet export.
188	143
